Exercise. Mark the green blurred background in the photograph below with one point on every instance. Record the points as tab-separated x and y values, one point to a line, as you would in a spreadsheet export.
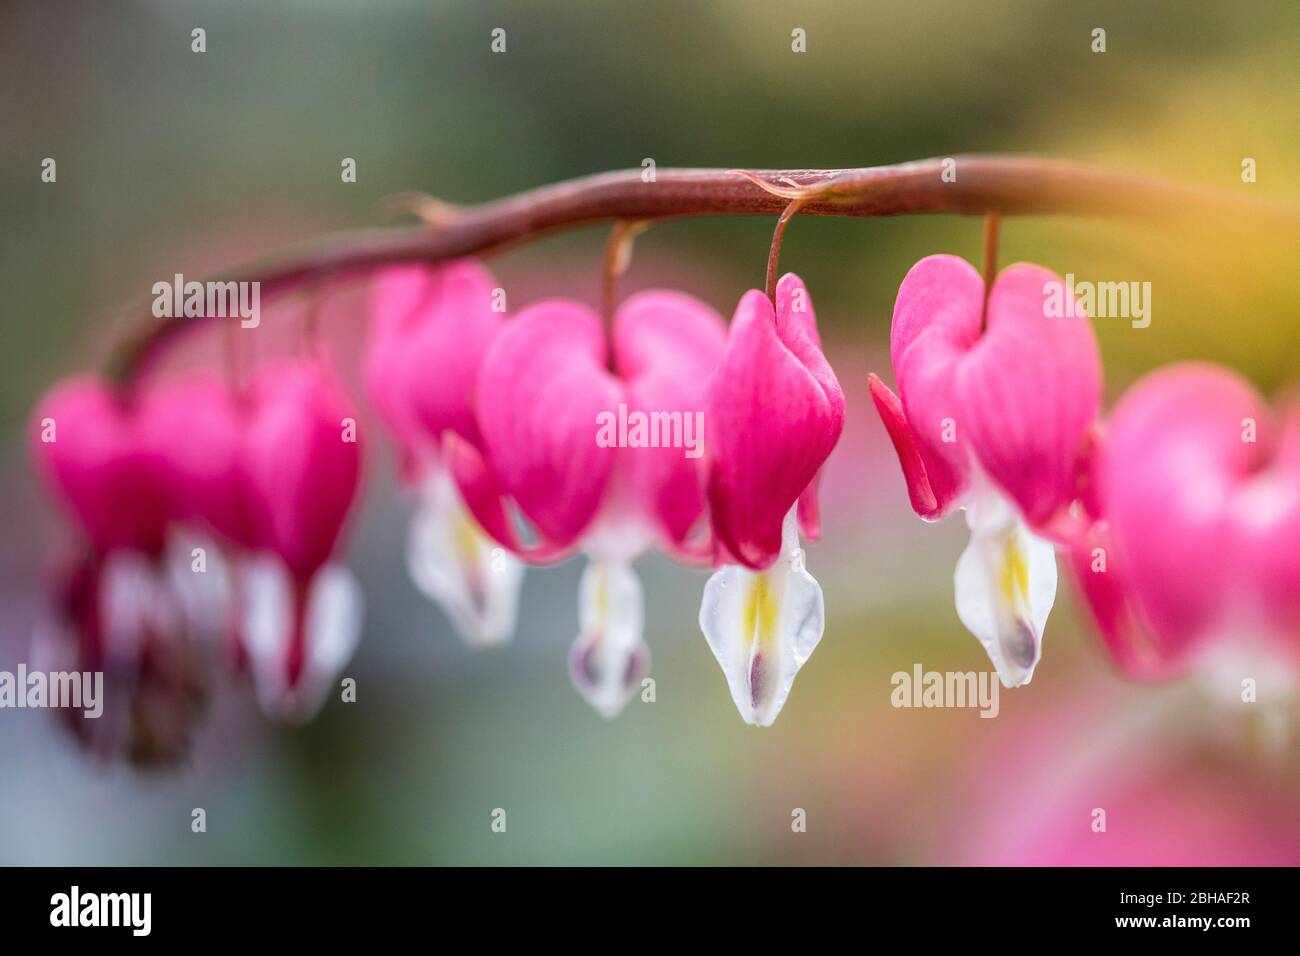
173	161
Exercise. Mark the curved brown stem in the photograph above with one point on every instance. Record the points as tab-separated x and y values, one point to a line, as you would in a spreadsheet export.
311	317
234	374
778	237
1010	185
618	255
992	224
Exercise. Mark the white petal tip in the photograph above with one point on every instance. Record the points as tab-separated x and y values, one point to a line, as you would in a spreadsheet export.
607	677
293	683
609	659
454	563
762	627
1005	585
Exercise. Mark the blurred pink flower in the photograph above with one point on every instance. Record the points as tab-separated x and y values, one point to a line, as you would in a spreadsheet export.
1102	782
430	329
1198	546
88	449
193	428
268	476
114	609
299	466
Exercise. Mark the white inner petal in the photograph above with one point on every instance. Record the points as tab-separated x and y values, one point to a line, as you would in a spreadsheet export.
134	602
1005	586
762	627
455	564
609	658
332	630
267	607
201	584
335	613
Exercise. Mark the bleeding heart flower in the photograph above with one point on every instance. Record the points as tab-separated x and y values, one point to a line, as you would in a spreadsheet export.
1195	560
115	611
994	414
774	411
597	451
87	448
430	328
298	470
115	614
194	429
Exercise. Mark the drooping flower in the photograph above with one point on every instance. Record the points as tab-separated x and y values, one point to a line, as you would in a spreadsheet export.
193	428
1195	558
87	447
773	411
995	409
597	449
270	474
430	328
298	470
115	610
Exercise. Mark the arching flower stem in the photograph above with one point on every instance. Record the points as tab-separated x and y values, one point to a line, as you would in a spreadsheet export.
966	185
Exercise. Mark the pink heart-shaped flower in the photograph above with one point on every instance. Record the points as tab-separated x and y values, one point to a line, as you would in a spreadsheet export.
430	329
89	451
1017	398
300	462
1200	485
195	430
773	411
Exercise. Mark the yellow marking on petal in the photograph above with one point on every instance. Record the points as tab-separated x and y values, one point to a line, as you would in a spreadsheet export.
761	609
1015	574
467	539
470	545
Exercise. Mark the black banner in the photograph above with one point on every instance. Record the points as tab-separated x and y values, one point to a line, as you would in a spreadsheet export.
331	906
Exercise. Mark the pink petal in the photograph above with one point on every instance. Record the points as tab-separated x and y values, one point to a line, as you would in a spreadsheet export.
797	324
386	366
1029	391
773	413
543	383
919	490
486	501
1173	462
794	306
431	328
809	513
98	465
1267	513
301	468
666	345
1020	396
1099	575
480	490
936	321
194	430
661	332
